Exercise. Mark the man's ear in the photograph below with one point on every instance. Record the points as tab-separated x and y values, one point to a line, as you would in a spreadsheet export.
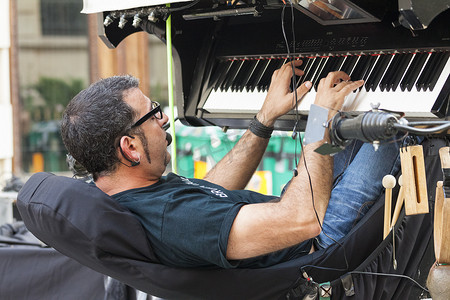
129	151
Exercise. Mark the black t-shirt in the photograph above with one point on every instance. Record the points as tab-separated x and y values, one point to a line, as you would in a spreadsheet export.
188	222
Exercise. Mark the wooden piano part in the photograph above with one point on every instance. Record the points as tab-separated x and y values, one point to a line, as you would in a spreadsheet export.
414	180
442	212
399	202
438	280
389	182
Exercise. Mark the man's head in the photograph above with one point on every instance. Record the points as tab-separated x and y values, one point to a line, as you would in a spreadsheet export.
97	126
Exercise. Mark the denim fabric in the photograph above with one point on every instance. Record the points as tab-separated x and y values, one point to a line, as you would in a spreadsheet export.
358	175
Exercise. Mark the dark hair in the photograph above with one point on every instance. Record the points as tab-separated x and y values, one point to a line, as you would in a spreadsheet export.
95	120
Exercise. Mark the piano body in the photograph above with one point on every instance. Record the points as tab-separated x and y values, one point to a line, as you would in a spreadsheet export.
226	51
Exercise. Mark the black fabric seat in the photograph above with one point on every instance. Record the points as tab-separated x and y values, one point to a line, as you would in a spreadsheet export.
82	222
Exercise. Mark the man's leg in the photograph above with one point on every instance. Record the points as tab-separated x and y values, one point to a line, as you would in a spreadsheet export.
357	185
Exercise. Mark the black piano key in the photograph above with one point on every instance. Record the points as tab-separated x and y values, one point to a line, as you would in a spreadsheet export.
306	70
413	71
349	63
328	67
338	63
275	65
377	72
437	71
252	67
369	67
403	64
265	79
241	75
257	74
312	70
322	63
358	71
221	73
441	105
306	64
232	73
424	77
362	68
390	71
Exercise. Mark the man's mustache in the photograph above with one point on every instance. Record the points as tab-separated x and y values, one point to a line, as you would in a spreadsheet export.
168	138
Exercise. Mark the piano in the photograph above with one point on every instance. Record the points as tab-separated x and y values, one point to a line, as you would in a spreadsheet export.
225	52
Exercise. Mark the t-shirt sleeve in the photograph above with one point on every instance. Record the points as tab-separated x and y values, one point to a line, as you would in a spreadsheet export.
196	229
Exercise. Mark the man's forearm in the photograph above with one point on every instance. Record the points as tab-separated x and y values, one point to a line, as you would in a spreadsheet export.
262	228
313	181
235	169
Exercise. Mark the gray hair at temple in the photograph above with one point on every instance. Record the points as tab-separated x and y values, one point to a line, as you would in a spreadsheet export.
95	120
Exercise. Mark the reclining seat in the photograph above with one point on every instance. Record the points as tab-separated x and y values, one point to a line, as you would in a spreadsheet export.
82	222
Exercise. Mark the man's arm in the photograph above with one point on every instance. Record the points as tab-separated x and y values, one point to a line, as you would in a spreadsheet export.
267	227
237	167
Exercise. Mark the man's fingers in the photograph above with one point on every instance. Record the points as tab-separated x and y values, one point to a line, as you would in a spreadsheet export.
334	78
346	87
296	63
303	89
286	70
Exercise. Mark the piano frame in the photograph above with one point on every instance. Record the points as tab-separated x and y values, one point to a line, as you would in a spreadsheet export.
198	43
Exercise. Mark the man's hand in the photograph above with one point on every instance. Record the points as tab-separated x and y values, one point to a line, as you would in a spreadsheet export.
280	99
237	167
333	89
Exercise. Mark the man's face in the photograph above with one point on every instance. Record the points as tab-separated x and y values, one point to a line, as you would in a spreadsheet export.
153	143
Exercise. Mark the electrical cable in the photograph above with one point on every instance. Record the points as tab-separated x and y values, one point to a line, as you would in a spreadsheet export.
294	100
367	273
422	131
427	123
297	116
183	7
390	275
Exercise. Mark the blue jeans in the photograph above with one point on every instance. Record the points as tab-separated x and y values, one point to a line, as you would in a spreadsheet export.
358	175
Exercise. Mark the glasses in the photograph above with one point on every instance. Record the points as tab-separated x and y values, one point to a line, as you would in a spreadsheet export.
155	111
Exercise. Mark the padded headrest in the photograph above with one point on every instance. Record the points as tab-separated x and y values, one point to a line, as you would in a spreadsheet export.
73	216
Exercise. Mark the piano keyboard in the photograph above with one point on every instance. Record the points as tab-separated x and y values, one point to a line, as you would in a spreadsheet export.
407	82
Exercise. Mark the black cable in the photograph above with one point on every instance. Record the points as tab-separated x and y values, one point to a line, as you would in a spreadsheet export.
294	77
294	100
368	273
184	7
422	131
295	134
324	268
391	275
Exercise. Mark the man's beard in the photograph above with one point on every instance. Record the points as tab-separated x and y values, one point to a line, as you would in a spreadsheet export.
144	142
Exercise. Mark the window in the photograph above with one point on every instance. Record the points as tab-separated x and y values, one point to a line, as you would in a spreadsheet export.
63	17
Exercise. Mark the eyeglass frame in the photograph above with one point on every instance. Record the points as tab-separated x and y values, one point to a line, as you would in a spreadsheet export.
153	112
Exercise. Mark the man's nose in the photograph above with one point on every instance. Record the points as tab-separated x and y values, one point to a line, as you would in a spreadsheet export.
164	121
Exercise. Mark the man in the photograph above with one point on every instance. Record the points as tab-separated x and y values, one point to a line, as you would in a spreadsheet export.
117	133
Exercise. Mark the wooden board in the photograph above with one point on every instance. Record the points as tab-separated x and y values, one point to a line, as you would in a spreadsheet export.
414	180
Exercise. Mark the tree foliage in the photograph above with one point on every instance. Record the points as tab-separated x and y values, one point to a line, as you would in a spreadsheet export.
56	91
